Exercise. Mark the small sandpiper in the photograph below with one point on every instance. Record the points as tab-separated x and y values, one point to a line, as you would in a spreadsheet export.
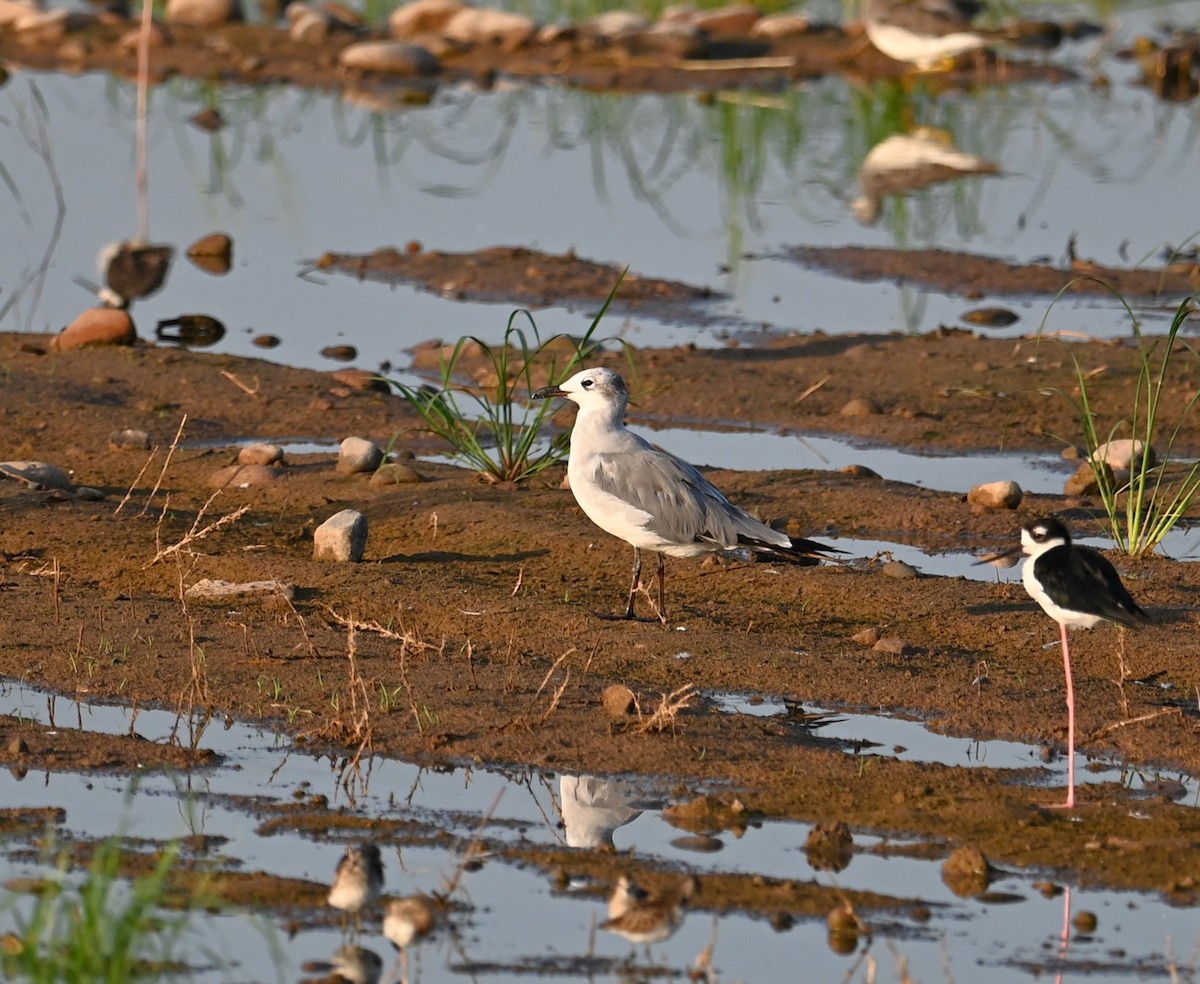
357	881
648	918
928	34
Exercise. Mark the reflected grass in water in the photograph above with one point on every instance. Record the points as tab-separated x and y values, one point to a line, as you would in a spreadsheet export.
100	928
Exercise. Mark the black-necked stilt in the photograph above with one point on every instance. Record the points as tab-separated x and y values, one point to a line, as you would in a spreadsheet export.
649	498
924	33
1078	588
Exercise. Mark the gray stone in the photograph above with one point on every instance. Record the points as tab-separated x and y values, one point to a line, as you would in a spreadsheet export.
88	494
1120	455
422	17
243	476
396	474
129	440
357	454
390	58
860	406
37	474
261	454
212	589
900	570
996	495
1084	481
341	538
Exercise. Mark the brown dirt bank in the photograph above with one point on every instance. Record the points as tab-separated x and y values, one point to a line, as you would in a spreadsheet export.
255	54
485	588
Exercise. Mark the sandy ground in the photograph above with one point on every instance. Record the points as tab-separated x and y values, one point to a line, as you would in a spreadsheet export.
478	638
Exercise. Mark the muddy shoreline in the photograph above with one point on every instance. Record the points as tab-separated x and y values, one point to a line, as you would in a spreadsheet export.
476	604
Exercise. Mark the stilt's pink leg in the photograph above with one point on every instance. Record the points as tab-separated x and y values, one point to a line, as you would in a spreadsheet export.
1070	801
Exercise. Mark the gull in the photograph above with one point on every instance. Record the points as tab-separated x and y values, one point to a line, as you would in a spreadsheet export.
649	498
1079	589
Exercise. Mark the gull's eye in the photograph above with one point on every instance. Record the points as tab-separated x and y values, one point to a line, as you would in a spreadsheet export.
587	384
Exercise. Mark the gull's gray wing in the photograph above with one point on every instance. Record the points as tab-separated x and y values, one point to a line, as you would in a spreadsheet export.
686	506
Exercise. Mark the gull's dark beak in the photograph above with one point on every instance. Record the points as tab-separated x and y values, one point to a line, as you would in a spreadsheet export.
1001	558
546	392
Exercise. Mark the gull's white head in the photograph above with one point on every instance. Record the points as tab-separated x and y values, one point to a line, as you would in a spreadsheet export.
591	389
1042	535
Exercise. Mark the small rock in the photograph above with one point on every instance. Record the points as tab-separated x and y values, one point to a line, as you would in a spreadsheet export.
340	353
306	25
41	26
829	847
667	40
210	589
860	406
390	58
261	454
88	494
357	454
842	920
396	474
900	570
12	10
891	645
991	317
422	17
867	637
860	471
37	474
202	13
361	379
966	872
735	21
243	476
1121	454
615	23
618	700
212	253
130	40
266	341
341	538
996	495
129	440
1084	481
776	26
96	326
488	25
698	843
1085	922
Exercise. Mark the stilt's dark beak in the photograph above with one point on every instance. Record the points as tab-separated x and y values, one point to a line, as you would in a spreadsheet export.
1001	558
546	392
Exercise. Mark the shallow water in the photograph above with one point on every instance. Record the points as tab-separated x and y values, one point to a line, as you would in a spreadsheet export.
1012	928
294	174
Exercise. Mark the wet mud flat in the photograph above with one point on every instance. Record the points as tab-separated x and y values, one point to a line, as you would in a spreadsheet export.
469	633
